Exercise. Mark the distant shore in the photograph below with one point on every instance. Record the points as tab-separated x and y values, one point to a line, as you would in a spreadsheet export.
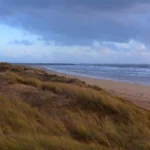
135	93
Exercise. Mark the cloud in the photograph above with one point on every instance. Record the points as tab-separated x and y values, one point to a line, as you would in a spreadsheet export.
99	52
27	51
142	47
128	53
7	52
91	4
21	42
77	22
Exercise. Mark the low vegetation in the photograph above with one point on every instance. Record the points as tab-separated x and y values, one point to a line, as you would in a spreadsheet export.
41	111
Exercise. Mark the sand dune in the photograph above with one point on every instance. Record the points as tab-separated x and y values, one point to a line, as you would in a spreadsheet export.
136	93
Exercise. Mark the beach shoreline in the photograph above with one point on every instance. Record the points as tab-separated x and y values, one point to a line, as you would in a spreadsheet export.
135	93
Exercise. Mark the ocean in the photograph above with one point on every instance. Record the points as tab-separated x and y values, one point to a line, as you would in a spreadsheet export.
133	73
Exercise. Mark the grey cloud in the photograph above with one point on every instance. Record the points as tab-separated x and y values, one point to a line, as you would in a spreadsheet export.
99	4
22	42
77	22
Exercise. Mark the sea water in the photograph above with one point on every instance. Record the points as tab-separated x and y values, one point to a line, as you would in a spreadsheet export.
134	73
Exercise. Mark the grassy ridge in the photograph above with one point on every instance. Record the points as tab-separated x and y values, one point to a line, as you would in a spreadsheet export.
41	111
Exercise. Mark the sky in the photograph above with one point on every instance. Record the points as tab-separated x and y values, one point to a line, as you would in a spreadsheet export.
75	31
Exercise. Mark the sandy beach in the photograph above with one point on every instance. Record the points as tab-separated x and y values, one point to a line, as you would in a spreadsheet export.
135	93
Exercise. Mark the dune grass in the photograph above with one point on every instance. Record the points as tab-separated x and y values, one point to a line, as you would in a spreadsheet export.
67	116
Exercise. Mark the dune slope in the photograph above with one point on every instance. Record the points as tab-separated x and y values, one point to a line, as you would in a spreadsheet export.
41	111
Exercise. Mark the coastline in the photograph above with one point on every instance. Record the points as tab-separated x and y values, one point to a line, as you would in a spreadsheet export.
135	93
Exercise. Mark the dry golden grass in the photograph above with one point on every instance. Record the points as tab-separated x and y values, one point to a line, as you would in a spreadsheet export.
60	115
